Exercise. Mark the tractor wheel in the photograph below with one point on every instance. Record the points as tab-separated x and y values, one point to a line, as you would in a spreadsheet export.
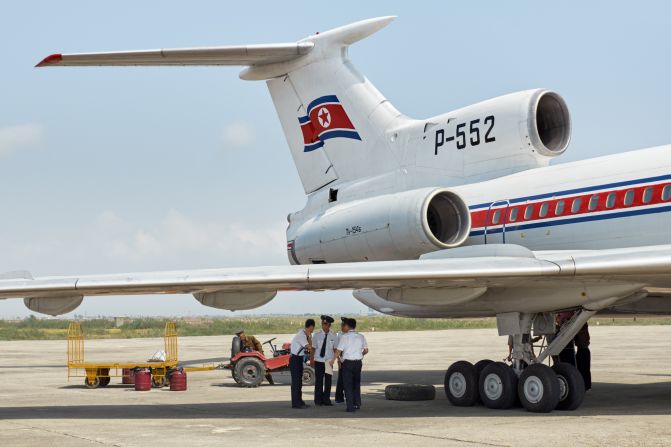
92	385
250	372
409	392
104	381
308	375
234	375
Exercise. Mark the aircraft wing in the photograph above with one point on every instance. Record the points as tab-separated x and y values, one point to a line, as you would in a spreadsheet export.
508	267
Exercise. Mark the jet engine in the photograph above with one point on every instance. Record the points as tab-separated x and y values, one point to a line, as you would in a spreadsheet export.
403	225
531	123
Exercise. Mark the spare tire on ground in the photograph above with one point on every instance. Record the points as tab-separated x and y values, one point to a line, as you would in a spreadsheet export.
410	392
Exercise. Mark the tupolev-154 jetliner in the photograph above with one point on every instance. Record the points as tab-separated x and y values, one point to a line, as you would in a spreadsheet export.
456	215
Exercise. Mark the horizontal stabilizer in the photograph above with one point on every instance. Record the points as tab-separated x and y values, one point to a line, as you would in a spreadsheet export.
223	55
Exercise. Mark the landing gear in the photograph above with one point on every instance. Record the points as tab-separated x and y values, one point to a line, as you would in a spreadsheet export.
538	387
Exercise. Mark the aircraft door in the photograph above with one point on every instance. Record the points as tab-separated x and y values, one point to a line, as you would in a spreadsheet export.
497	218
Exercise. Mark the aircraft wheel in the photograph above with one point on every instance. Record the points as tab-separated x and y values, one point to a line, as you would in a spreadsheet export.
538	388
498	386
479	366
571	386
461	384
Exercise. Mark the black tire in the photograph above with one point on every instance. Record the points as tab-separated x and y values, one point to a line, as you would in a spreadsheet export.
410	392
250	372
571	386
309	376
158	381
538	388
497	386
236	346
104	381
92	385
461	384
235	377
479	366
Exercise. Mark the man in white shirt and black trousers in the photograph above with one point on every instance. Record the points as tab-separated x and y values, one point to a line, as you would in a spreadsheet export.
299	346
323	344
352	346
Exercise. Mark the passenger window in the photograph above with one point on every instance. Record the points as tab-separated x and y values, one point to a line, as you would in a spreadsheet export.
610	200
544	210
528	212
666	193
647	195
575	207
629	198
593	202
495	217
559	209
513	214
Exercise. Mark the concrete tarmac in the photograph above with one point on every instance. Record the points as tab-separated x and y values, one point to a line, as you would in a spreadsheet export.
629	405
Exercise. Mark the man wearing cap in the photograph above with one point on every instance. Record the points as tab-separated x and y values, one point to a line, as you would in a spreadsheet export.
351	348
299	346
249	343
323	347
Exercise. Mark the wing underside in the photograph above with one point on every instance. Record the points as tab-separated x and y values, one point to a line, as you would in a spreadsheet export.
625	270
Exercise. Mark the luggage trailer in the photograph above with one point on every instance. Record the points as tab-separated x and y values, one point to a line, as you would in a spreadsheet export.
99	374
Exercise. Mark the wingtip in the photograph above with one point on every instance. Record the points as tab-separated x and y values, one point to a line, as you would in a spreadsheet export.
50	60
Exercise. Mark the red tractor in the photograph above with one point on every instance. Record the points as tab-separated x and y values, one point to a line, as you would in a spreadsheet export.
249	368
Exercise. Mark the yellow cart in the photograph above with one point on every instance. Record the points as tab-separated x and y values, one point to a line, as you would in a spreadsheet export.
98	374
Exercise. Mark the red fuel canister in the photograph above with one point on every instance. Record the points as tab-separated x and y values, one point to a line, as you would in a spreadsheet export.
178	381
143	380
128	376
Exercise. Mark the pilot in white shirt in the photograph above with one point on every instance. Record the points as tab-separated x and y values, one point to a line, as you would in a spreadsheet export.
300	344
351	348
323	347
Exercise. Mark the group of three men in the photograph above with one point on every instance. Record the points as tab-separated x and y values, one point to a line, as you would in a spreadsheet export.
325	348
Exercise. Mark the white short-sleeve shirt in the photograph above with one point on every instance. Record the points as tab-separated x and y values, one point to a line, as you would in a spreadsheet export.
352	345
318	341
299	342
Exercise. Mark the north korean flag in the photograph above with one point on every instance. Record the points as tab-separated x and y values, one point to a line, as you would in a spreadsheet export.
326	119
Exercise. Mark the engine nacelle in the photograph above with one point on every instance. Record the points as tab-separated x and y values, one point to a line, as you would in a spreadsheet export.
234	300
530	123
404	225
53	306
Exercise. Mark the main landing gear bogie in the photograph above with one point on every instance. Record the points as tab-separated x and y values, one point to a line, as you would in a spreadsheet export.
539	388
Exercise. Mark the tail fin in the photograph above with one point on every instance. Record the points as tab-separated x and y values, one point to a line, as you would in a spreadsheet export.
334	119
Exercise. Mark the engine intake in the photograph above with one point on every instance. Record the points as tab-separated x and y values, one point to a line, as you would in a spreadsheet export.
550	126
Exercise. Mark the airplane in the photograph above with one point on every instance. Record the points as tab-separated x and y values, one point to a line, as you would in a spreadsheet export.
457	215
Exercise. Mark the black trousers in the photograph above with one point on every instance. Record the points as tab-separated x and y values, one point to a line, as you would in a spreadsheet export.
322	384
567	355
583	359
340	391
352	382
296	368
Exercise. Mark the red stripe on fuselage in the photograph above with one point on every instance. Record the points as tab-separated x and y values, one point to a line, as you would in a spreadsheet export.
479	217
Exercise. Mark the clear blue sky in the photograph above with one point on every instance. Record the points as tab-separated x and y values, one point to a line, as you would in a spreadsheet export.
124	169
